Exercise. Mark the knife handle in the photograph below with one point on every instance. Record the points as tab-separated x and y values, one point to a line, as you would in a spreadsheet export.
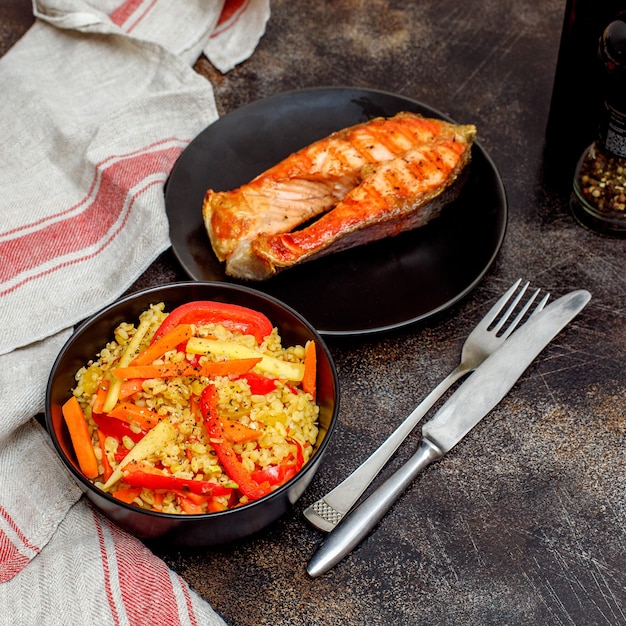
343	497
358	524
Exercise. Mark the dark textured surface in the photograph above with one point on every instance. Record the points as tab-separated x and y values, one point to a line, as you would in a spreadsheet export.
524	522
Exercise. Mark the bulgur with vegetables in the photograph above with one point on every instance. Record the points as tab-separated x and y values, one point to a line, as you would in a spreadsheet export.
196	411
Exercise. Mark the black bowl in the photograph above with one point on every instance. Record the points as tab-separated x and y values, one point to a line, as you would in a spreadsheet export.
190	530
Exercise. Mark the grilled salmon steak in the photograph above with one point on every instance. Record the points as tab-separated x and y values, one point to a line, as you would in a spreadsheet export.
362	183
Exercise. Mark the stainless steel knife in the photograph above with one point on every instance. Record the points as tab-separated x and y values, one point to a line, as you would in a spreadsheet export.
474	399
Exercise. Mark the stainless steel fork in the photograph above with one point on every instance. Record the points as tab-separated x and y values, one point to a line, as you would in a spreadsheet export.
327	512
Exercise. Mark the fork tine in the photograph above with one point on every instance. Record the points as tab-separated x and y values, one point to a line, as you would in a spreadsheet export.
526	307
500	304
511	308
520	315
540	306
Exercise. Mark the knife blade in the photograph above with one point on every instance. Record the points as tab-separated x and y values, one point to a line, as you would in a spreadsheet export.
471	402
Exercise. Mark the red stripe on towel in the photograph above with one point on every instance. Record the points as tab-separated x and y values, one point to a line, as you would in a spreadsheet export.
84	257
140	579
232	11
106	570
124	11
139	570
78	231
190	612
140	17
12	561
99	167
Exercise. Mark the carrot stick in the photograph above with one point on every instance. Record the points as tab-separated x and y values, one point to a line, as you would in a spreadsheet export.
232	367
167	342
310	369
189	507
130	388
81	439
140	466
101	394
157	500
215	506
166	370
127	495
236	432
140	415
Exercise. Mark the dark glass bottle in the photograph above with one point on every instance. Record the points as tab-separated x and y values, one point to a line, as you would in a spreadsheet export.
598	198
576	100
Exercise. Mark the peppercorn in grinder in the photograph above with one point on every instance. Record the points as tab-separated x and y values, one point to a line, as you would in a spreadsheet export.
598	199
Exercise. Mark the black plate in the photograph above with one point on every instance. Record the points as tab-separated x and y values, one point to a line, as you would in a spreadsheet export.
380	286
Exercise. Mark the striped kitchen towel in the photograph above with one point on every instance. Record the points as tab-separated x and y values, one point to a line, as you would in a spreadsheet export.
99	100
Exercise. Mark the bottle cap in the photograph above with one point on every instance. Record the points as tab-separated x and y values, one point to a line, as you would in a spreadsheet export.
613	44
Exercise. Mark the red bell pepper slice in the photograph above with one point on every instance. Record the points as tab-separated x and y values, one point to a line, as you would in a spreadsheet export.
150	480
273	474
282	473
232	316
120	454
224	450
113	427
299	454
259	385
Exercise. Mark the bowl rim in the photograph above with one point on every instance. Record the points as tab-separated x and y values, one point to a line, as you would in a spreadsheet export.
84	326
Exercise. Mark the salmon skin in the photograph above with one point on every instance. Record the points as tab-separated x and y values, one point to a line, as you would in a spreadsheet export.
363	183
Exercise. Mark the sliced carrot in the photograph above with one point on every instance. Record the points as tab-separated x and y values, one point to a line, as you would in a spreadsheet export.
101	394
309	384
140	466
127	495
189	507
81	439
140	415
215	506
106	466
196	498
130	388
232	367
179	334
157	500
166	370
236	432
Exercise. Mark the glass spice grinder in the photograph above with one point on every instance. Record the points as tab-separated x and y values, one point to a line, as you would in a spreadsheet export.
598	199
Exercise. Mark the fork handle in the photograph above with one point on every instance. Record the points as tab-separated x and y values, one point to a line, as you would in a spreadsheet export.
342	498
341	541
